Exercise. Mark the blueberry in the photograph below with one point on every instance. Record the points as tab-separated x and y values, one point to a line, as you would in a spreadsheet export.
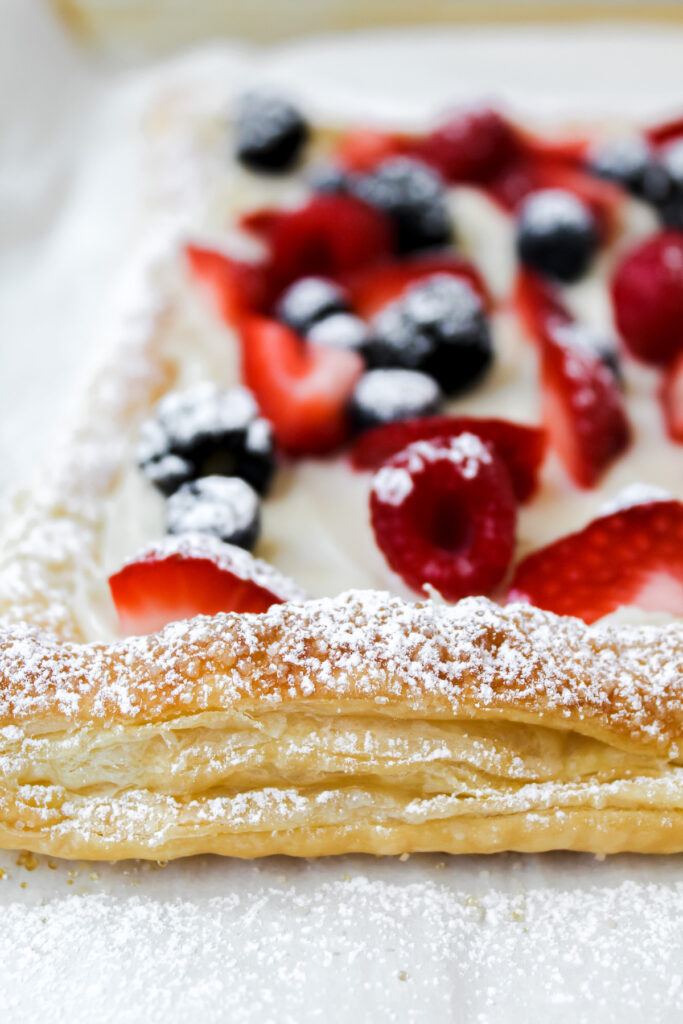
670	203
203	431
628	161
308	300
269	133
556	234
583	337
437	326
223	506
329	178
341	330
385	396
414	197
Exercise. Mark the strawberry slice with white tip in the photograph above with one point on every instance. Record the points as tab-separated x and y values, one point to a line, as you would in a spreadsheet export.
632	557
194	574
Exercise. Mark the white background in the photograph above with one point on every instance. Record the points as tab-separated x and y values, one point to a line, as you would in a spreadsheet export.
555	938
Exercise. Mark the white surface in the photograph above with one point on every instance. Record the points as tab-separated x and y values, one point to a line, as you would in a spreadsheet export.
555	938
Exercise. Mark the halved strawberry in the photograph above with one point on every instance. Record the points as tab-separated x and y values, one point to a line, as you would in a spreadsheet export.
568	149
371	289
363	148
664	132
538	305
672	398
632	557
303	389
471	146
444	513
262	221
647	295
194	574
329	236
234	286
521	448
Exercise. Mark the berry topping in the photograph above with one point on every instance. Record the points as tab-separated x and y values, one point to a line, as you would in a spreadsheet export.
234	287
308	300
539	306
632	557
364	148
647	293
375	287
672	398
628	161
521	448
414	197
669	199
471	146
269	133
556	234
223	506
204	431
195	574
385	396
341	330
329	236
444	514
328	177
438	326
303	389
586	339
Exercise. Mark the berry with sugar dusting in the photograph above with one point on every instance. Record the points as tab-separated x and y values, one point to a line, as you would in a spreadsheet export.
385	396
444	513
270	133
222	506
630	162
308	300
556	234
438	326
340	330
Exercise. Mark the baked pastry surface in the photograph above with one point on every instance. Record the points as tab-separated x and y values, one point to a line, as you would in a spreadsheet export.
361	723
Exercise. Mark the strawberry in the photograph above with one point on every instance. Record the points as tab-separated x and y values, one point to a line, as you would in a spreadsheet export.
193	574
521	448
665	132
632	557
262	221
672	398
538	305
362	149
329	236
471	146
444	513
303	389
234	286
373	288
569	150
647	295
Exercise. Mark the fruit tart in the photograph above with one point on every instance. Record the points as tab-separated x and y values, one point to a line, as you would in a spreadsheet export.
368	535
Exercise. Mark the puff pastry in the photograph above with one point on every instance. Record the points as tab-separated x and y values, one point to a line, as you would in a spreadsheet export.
363	723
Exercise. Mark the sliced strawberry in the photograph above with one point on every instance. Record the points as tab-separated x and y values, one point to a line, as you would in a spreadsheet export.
568	150
193	574
583	409
647	295
672	398
632	557
471	146
538	305
371	289
666	131
303	389
521	448
363	148
235	287
330	236
262	221
444	513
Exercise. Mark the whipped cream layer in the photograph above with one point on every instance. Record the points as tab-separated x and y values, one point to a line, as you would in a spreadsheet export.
315	521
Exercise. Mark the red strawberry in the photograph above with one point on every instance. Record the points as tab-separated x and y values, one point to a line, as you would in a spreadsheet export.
538	305
521	448
667	131
329	236
470	146
235	287
632	557
363	148
263	221
568	150
444	513
647	294
193	574
672	398
303	389
373	288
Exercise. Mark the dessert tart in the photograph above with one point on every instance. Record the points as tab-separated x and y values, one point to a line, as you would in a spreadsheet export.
337	554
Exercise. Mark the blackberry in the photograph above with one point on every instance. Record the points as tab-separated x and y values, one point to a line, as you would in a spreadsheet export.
386	396
556	234
223	506
628	161
309	300
670	203
269	133
203	431
341	330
